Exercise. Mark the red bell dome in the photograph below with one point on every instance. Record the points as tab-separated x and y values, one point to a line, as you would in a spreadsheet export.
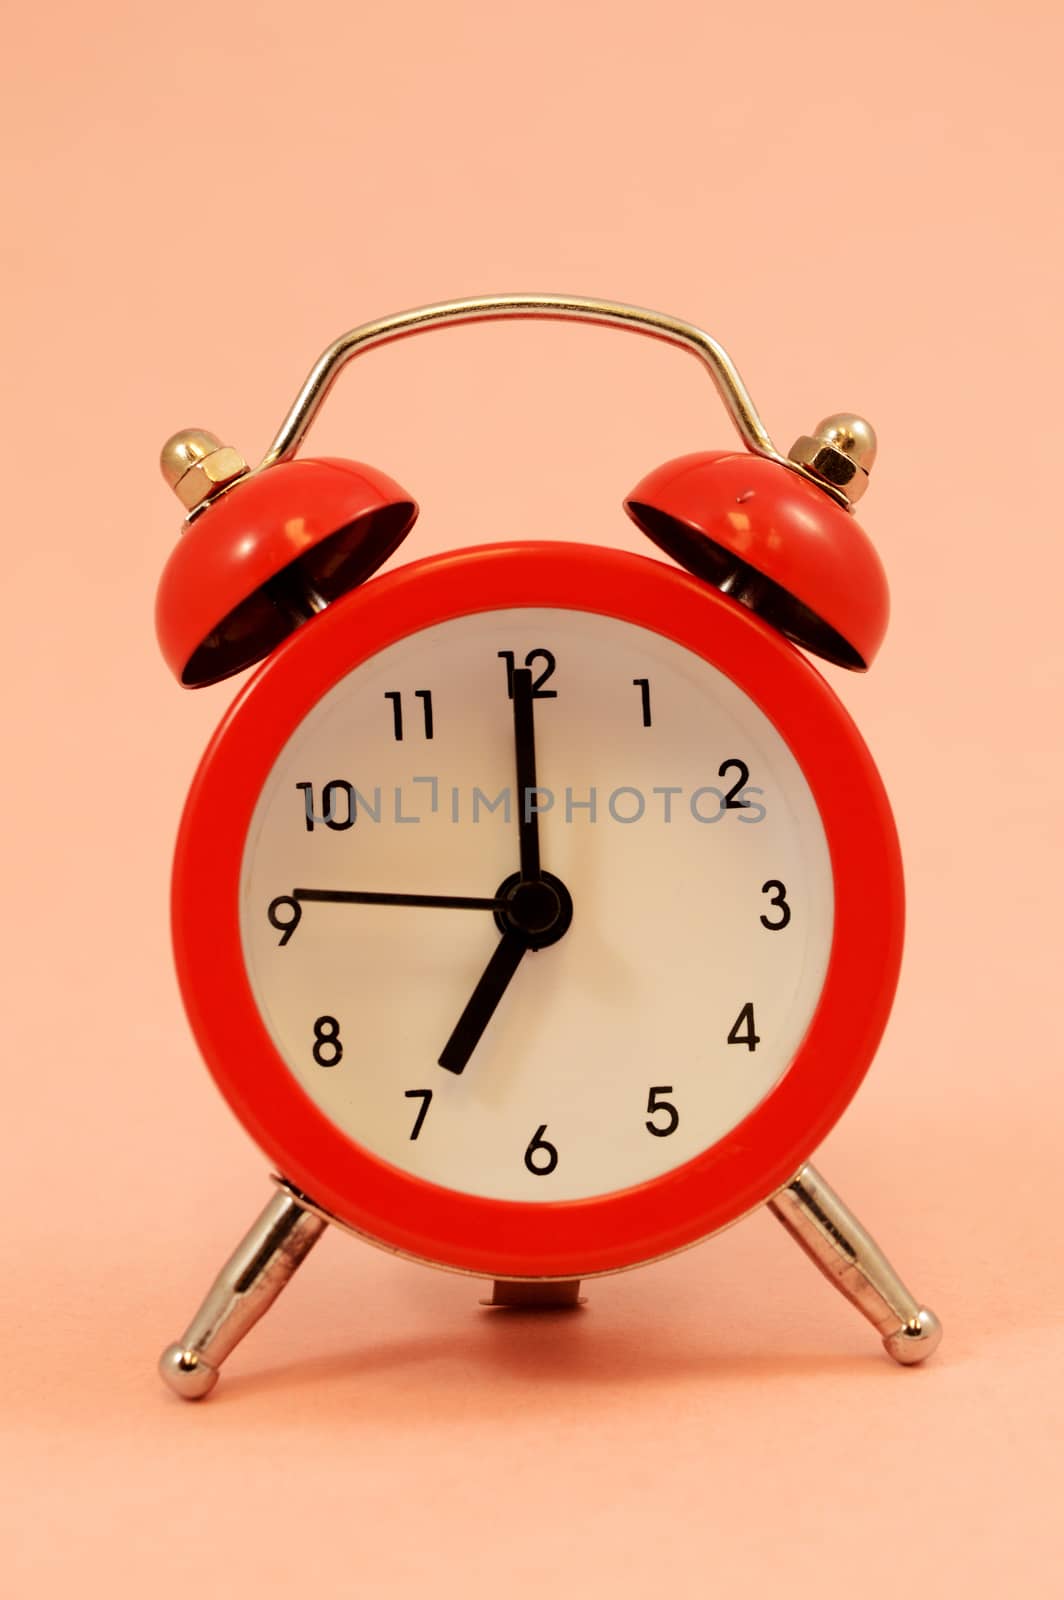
770	538
267	552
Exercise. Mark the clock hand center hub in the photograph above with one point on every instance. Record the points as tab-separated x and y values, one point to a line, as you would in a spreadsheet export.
539	909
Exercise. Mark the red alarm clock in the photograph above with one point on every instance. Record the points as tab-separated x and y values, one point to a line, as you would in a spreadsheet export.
537	907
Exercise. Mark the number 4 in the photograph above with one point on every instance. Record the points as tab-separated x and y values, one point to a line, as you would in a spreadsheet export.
749	1038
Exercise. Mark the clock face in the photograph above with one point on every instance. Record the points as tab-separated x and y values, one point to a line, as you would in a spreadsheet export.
673	822
643	1007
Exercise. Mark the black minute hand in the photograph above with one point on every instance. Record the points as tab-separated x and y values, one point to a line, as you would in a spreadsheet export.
363	897
525	744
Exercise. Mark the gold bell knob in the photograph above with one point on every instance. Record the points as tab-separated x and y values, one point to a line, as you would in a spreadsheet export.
197	466
839	453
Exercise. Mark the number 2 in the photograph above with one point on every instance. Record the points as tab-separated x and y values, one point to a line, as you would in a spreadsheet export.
731	802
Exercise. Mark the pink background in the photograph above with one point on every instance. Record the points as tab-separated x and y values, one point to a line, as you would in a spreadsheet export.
865	209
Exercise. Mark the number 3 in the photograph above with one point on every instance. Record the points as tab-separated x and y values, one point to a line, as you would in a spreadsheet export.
779	900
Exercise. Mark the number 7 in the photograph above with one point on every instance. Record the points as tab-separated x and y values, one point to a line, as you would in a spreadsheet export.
425	1096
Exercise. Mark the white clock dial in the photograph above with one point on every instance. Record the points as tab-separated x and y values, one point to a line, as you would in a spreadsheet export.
700	933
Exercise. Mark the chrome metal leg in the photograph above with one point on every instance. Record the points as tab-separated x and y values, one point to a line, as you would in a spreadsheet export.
247	1285
832	1236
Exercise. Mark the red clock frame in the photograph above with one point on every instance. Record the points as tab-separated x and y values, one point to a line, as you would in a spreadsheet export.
571	1238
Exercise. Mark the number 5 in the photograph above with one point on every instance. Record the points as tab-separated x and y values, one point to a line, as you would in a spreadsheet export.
655	1104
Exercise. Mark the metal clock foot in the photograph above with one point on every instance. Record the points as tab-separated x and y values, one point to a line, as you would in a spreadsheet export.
832	1236
247	1285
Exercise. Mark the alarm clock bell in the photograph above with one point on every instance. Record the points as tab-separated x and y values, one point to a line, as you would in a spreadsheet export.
265	550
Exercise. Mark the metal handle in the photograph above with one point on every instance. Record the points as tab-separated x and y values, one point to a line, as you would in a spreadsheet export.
557	308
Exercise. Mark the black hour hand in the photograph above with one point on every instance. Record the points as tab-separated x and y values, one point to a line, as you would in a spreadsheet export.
483	1001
